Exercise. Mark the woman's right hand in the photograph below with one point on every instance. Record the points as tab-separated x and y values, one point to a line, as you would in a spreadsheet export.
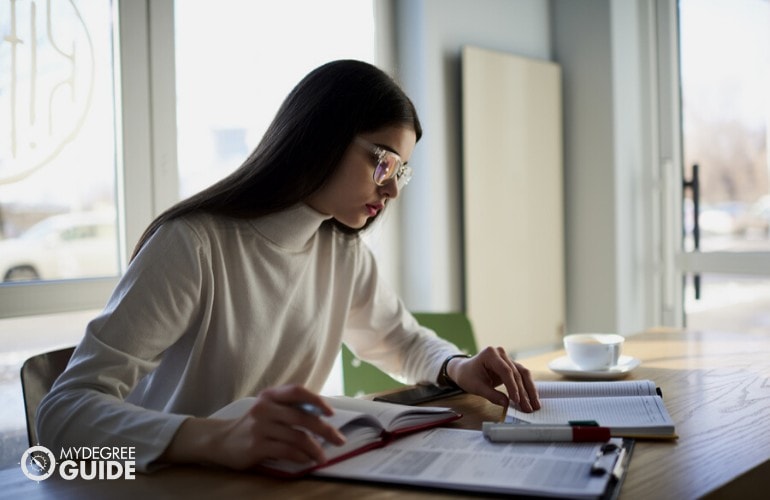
274	428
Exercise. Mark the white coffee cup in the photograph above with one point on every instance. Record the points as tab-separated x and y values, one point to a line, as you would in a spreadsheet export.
594	351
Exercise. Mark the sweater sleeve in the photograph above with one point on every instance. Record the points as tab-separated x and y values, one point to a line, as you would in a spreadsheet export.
149	310
382	331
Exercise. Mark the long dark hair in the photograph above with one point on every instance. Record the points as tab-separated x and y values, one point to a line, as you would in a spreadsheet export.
304	144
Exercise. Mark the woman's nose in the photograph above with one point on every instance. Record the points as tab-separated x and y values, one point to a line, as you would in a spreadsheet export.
390	188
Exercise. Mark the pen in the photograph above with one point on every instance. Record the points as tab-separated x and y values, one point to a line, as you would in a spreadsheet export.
503	433
620	465
310	409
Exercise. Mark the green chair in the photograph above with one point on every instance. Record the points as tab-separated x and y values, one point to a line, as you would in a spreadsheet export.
360	377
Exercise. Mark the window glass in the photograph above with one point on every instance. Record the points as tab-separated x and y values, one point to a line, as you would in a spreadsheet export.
725	71
57	141
725	68
236	60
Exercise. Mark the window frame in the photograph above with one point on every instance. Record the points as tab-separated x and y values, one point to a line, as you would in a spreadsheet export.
677	262
146	160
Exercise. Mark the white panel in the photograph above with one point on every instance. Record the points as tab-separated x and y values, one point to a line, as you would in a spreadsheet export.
513	199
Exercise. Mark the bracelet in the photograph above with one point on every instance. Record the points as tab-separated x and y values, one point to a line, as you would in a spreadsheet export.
443	377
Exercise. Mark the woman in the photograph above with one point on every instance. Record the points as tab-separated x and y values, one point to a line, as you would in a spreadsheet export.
250	287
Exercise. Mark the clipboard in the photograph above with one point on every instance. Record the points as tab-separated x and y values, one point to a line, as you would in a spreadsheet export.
417	461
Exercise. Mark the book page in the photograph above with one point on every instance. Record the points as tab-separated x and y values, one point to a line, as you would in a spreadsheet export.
391	416
342	417
595	389
465	460
378	414
625	412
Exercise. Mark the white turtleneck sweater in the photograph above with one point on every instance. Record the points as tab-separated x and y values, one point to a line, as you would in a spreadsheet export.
214	309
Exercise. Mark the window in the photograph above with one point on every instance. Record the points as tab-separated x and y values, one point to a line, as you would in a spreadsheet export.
725	112
57	140
236	60
83	192
725	115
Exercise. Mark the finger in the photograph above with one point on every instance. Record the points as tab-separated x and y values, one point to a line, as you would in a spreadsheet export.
302	404
492	395
295	395
294	415
507	373
526	387
277	450
319	427
295	445
280	407
529	386
516	378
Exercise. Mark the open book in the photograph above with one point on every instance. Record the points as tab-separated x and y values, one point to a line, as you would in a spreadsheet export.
365	424
629	408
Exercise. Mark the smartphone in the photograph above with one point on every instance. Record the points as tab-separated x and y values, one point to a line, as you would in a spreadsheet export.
419	394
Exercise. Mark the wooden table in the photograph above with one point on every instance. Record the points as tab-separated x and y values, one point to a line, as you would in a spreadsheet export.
715	385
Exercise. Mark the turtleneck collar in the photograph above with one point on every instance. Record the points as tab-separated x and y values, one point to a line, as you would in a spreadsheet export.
292	228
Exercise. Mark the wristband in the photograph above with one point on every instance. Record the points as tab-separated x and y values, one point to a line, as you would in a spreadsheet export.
443	377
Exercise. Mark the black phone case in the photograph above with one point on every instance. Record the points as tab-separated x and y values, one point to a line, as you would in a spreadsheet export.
419	394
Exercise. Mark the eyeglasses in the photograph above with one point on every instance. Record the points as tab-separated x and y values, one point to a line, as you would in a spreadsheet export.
389	165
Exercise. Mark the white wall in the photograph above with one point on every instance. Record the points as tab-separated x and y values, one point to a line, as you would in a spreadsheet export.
637	244
603	47
429	36
589	177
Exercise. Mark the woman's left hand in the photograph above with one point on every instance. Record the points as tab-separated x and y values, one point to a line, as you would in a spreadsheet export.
491	368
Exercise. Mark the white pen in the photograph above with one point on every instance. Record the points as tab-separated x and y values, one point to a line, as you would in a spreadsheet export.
620	465
504	433
310	409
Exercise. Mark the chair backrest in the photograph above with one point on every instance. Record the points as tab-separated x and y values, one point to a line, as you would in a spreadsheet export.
38	374
360	377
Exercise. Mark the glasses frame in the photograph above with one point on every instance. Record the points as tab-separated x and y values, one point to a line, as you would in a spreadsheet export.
402	173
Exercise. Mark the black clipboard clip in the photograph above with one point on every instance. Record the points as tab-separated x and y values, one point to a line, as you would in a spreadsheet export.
610	458
613	459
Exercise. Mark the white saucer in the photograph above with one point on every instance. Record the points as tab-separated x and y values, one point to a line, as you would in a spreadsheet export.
564	366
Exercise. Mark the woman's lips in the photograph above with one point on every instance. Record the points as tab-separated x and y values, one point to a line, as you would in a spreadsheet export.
373	209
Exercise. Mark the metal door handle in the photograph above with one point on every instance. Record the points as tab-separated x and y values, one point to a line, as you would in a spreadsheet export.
694	185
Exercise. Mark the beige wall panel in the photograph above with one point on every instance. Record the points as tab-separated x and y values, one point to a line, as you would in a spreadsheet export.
513	199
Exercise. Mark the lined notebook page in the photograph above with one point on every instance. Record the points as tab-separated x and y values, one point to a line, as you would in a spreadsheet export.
596	389
617	412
